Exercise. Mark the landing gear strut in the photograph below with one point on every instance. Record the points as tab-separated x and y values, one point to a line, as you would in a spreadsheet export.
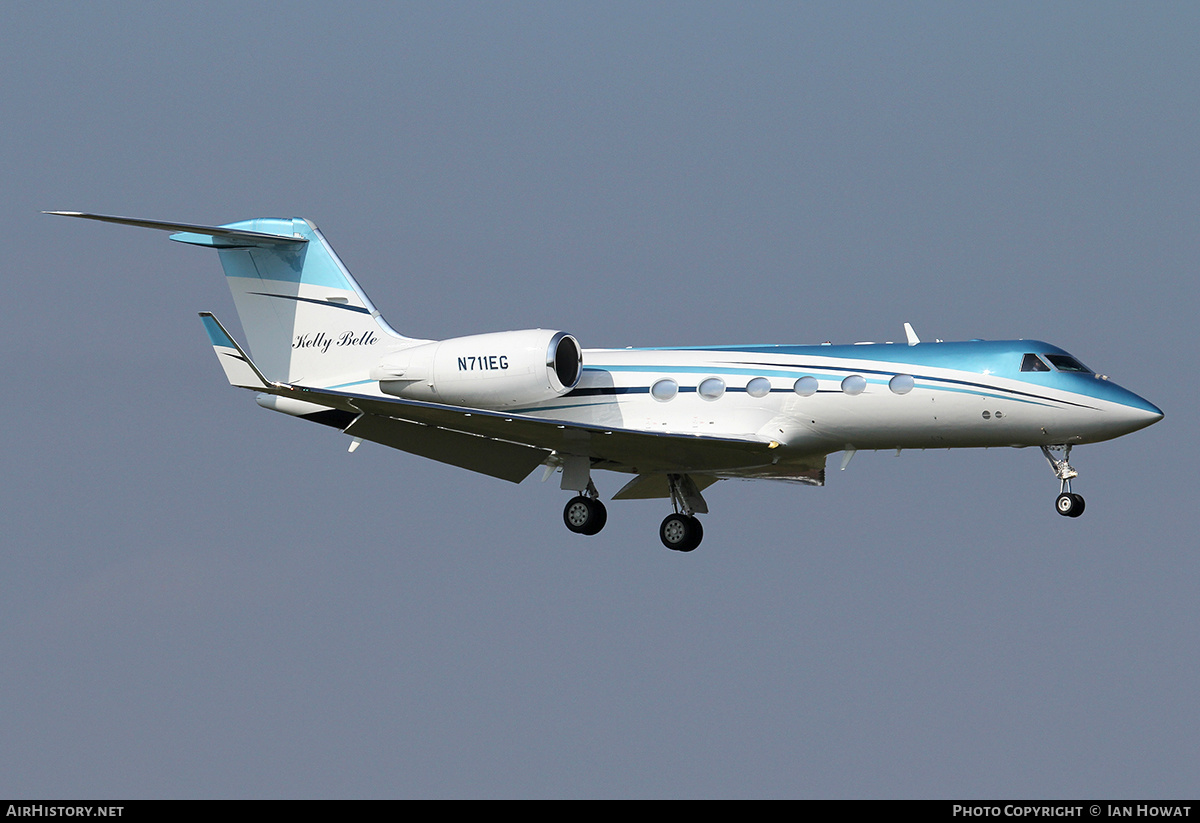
1068	504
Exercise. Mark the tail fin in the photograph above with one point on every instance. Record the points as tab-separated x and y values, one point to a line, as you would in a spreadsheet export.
305	319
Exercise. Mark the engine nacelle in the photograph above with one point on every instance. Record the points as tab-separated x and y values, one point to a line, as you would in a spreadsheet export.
487	371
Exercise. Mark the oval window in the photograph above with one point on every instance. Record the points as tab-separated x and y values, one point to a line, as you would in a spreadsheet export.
854	384
712	388
758	387
664	389
805	386
902	383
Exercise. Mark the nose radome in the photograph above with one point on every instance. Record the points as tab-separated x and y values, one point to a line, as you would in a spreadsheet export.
1138	413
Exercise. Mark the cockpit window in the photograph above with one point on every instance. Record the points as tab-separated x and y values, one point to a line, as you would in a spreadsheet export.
1064	362
1033	363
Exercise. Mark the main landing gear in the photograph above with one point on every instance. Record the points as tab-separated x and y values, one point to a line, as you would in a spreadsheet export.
1068	504
585	514
680	531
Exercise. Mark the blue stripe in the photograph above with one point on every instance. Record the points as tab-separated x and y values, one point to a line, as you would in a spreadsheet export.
1001	358
531	410
1032	399
943	383
608	390
313	300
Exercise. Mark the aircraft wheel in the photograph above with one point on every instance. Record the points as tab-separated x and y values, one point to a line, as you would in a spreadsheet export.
1069	504
681	532
584	515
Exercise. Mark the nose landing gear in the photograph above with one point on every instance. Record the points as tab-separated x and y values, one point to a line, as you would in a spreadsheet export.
1068	504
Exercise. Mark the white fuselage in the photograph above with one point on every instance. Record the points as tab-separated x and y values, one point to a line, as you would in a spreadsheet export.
883	396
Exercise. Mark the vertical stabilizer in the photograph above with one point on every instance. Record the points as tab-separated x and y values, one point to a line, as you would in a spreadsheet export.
306	320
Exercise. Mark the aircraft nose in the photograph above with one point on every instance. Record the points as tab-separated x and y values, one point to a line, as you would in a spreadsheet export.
1137	412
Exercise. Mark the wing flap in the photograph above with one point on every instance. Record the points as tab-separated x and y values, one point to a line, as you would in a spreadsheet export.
507	461
652	486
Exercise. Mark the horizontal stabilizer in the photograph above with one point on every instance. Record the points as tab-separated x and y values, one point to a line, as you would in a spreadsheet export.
221	235
239	369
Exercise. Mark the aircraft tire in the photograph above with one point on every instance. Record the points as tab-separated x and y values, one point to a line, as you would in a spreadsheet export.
1069	504
681	532
584	515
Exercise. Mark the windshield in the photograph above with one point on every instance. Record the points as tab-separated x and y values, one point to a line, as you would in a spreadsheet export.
1064	362
1032	362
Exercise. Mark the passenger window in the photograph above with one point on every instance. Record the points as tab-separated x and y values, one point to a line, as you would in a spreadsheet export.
854	384
1064	362
758	387
806	386
712	388
664	389
1033	363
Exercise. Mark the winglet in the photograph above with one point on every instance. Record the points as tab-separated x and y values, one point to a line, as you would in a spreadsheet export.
911	335
238	367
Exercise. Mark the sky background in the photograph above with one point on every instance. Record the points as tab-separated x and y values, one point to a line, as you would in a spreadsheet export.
200	598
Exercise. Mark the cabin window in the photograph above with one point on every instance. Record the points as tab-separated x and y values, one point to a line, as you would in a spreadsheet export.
854	384
805	386
1064	362
1033	363
712	388
758	387
664	389
902	383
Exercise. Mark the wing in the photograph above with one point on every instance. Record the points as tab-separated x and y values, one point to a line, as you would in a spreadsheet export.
489	441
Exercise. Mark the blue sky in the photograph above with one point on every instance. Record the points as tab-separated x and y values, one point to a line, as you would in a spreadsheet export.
201	598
